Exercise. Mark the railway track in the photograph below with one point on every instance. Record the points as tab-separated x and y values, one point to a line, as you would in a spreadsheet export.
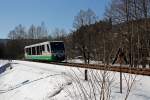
124	69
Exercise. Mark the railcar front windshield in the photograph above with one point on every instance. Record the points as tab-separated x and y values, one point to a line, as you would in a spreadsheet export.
57	47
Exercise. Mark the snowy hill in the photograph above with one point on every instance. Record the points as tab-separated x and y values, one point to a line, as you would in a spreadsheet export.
38	81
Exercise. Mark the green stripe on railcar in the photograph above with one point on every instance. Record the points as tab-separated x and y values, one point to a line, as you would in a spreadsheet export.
41	57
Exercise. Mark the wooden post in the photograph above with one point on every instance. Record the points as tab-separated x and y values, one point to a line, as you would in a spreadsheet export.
120	57
120	79
86	77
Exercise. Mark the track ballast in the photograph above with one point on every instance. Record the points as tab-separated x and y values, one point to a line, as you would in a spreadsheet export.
124	69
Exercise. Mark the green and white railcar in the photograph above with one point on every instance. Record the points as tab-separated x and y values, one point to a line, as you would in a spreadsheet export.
46	51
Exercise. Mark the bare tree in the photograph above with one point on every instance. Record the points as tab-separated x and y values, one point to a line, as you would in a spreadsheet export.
84	18
98	87
81	22
44	31
59	34
18	33
32	32
12	35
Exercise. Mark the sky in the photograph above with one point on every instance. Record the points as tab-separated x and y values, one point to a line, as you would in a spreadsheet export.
54	13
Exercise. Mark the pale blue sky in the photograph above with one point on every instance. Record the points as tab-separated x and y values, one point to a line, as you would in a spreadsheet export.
55	13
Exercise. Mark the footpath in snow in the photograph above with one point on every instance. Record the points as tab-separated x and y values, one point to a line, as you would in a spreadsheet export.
39	81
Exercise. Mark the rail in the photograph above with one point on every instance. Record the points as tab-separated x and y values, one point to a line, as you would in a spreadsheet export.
124	69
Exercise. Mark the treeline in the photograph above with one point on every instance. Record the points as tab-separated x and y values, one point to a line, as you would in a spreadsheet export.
34	32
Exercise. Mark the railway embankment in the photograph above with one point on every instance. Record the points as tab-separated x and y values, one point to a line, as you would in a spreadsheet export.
3	67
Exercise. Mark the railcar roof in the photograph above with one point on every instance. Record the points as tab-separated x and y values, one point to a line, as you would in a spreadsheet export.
37	44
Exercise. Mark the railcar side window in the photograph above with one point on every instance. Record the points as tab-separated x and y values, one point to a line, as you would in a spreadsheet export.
29	51
38	50
43	48
48	49
33	51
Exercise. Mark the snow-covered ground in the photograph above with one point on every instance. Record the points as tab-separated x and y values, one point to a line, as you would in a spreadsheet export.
3	62
82	61
39	81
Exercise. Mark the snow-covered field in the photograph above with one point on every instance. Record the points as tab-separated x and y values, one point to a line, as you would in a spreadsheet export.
39	81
